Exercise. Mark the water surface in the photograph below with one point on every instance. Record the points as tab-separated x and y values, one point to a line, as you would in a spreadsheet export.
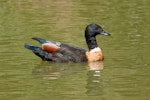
125	76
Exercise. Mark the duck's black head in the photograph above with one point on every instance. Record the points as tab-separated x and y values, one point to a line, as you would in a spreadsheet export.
93	29
90	32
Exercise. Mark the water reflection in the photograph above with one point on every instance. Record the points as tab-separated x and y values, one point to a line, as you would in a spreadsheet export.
46	71
95	65
94	81
51	71
57	71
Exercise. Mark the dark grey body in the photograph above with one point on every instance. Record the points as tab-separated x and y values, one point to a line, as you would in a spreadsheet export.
65	53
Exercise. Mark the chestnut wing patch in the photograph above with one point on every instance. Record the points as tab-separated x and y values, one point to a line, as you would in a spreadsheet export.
50	47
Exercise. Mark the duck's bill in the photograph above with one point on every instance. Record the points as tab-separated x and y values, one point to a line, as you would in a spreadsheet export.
105	33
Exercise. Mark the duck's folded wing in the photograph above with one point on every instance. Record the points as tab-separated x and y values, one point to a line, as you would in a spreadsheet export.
65	53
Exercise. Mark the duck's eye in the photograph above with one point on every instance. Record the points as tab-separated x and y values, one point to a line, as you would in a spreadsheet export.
97	29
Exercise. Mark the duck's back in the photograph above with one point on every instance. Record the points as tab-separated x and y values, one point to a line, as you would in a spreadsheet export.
73	53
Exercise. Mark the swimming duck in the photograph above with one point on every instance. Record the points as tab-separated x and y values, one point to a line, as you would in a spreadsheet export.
60	52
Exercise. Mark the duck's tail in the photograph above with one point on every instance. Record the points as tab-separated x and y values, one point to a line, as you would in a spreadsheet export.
40	40
38	51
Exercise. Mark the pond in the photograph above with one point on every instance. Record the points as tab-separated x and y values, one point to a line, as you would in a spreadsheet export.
125	74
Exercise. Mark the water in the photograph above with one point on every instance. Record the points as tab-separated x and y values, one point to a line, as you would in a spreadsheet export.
125	75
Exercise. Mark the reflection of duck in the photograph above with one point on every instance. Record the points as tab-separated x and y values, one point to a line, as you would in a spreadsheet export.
98	65
59	52
94	83
51	71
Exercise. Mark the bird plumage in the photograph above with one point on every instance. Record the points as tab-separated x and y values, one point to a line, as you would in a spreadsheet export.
59	52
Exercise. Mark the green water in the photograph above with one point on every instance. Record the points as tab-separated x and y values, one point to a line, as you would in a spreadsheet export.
23	76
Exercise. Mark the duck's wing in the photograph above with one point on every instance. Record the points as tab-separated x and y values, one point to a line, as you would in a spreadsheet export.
57	52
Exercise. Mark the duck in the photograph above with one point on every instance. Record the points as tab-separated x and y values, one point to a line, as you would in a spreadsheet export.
59	52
